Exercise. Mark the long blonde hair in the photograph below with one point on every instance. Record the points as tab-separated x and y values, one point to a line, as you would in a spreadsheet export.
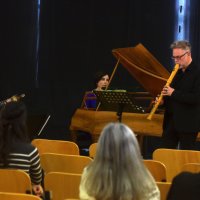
117	171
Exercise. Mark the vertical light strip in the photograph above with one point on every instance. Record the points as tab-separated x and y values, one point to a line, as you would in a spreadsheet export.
37	42
182	20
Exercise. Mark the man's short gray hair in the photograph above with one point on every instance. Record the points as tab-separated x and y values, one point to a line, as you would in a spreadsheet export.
181	44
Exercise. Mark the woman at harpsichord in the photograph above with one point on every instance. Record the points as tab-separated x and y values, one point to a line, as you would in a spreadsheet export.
101	81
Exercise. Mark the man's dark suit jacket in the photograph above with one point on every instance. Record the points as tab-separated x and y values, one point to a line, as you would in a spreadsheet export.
183	106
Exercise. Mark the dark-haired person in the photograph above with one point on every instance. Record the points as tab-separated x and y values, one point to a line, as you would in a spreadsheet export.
185	186
101	80
16	150
182	101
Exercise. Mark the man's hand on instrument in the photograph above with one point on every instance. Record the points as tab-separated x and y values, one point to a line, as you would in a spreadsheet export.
156	100
167	91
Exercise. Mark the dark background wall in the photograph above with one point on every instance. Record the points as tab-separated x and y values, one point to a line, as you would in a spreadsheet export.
76	40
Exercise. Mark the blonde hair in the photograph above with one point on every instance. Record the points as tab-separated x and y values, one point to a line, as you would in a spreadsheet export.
117	171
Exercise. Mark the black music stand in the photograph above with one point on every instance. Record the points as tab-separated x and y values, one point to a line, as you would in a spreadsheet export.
119	101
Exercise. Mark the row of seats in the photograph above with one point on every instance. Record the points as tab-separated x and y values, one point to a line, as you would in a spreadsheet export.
172	159
17	196
158	166
52	162
168	162
61	170
61	147
10	179
58	185
56	146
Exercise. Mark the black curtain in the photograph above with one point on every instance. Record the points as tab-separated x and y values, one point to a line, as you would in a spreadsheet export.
17	46
76	40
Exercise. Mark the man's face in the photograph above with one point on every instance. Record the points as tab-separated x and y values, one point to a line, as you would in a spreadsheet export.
181	57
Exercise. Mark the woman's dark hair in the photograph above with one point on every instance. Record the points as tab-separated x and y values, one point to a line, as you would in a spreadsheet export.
12	127
98	76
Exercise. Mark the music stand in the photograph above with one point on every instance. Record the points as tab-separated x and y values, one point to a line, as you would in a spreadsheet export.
119	101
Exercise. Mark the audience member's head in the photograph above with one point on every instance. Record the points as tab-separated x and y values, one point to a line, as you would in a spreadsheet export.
16	150
117	171
12	126
185	186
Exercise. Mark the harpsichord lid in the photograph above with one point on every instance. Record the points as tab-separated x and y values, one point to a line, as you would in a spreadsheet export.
144	67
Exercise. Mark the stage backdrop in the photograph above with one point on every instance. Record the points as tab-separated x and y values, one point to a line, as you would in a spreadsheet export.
53	62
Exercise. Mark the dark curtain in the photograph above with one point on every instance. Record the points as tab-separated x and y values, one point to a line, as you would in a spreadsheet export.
76	40
195	29
17	46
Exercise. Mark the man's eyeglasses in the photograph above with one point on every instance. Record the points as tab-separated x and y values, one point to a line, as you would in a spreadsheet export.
179	57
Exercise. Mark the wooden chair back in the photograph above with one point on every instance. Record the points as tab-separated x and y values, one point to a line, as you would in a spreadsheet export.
62	185
56	146
17	196
174	159
14	180
51	162
164	189
92	149
191	167
157	169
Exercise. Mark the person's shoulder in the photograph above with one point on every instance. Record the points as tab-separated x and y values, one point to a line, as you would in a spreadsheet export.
28	146
32	150
23	147
194	69
90	94
187	176
194	66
